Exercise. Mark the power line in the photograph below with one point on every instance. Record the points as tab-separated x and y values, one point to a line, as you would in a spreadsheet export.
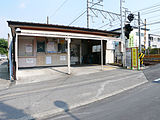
155	29
154	23
151	17
153	20
109	24
156	32
157	4
78	17
58	8
150	12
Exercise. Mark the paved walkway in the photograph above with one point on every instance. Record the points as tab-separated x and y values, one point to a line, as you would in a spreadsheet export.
52	73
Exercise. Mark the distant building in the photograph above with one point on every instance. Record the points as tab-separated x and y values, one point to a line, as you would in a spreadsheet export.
154	41
3	57
135	33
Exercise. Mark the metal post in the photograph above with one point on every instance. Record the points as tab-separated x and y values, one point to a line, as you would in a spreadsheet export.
47	20
10	58
139	31
81	52
69	64
145	37
102	54
87	13
14	62
122	35
16	55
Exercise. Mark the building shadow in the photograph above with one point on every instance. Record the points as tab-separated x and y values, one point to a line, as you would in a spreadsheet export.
8	112
58	71
4	63
65	107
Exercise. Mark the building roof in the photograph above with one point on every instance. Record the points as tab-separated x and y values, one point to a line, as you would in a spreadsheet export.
51	27
154	35
132	26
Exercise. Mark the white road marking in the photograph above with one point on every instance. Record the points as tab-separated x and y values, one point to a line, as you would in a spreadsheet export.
157	80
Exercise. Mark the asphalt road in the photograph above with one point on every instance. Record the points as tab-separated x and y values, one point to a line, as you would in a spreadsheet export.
141	103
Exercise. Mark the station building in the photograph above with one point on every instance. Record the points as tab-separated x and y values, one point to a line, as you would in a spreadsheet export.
36	44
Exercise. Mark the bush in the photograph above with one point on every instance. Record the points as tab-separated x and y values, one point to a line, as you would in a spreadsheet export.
3	46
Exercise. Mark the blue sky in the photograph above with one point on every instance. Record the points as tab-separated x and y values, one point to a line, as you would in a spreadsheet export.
38	10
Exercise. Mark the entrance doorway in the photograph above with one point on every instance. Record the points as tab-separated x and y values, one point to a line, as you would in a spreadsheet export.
91	51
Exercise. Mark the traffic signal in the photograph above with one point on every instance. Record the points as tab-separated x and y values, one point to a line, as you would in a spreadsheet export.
130	17
128	28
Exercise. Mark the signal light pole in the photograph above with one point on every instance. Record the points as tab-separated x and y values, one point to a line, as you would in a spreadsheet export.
122	35
139	31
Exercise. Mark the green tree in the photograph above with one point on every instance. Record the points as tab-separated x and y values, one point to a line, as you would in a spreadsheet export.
3	46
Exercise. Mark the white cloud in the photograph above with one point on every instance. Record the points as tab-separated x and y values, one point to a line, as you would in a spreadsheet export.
22	5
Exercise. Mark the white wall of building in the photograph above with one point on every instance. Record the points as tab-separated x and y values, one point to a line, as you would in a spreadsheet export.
110	47
109	56
154	41
136	38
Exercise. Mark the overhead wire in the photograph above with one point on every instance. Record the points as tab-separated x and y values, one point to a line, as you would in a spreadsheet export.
53	14
151	17
158	10
156	29
150	7
77	17
153	23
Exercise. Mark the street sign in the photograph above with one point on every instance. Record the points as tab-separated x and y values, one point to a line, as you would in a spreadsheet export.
135	57
131	41
128	57
141	56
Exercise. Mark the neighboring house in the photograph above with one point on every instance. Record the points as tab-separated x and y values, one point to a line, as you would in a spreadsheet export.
154	41
36	44
136	36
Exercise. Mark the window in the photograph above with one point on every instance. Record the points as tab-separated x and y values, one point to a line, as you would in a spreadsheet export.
62	46
154	46
137	34
40	46
158	39
151	38
142	34
154	39
96	48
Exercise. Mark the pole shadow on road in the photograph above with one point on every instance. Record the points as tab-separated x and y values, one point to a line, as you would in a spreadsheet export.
8	112
63	105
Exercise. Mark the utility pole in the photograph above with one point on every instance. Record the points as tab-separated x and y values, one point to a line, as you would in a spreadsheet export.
145	36
93	8
122	34
139	31
47	20
87	13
